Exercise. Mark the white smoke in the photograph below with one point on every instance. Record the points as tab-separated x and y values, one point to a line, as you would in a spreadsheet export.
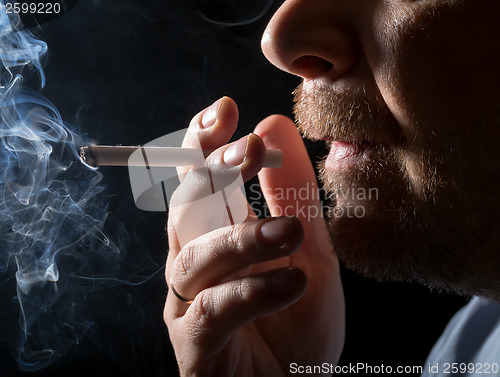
52	210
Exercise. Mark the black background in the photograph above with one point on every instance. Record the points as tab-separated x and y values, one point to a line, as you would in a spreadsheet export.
127	72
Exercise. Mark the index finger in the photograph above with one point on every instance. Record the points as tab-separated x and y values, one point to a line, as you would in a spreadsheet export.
211	128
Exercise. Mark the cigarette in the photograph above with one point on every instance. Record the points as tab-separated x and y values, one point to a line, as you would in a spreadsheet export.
106	155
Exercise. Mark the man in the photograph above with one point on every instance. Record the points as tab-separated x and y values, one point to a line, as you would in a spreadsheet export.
405	94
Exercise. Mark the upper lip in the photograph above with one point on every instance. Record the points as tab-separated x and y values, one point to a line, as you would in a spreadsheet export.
354	140
362	118
381	139
358	144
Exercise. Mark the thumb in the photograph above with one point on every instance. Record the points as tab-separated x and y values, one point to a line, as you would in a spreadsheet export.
292	190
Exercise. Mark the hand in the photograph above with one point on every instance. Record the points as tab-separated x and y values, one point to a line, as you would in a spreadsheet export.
253	314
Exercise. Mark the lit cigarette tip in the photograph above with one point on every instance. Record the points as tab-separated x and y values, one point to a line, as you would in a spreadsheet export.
105	155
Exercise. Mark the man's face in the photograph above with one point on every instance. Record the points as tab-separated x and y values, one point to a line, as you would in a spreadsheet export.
406	95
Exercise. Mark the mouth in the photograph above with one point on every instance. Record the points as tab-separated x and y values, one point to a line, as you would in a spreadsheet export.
347	155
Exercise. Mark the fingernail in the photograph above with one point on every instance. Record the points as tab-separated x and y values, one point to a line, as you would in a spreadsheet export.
210	115
284	280
276	232
235	154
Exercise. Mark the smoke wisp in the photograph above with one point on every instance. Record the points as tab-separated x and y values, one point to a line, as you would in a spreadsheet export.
52	211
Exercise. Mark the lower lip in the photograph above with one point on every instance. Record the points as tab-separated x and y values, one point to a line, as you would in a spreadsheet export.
345	155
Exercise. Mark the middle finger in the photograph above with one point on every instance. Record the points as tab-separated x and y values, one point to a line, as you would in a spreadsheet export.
219	255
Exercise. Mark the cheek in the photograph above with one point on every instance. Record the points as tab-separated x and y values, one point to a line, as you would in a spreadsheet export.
404	61
435	67
432	62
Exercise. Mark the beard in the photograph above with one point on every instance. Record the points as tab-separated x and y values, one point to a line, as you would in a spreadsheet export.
423	224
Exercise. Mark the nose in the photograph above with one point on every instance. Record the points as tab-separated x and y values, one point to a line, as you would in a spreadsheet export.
311	39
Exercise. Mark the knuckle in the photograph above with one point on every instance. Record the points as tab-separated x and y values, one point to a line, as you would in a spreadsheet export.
184	263
242	291
204	311
239	239
233	237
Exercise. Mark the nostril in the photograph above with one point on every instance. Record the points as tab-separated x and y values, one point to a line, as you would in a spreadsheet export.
309	65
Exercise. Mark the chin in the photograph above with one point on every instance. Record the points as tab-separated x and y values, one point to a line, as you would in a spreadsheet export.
371	246
370	220
443	246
